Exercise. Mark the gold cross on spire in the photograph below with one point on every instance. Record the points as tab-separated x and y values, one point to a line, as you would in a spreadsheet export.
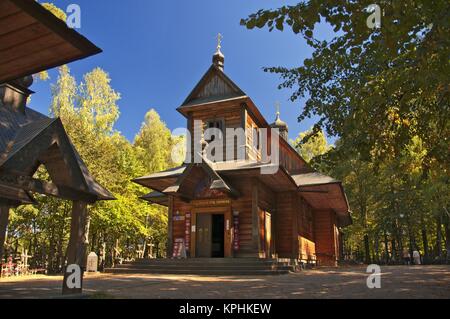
219	42
277	105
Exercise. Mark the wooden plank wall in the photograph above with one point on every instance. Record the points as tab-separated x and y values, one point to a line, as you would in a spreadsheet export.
178	227
215	86
288	156
306	246
284	227
252	152
305	220
289	159
243	205
307	249
229	112
325	237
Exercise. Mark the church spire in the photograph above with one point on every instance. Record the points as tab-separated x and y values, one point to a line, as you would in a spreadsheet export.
218	57
280	125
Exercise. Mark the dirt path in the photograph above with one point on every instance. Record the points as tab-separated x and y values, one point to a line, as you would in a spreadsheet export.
396	282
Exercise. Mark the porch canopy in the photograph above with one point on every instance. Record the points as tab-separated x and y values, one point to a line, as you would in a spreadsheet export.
320	191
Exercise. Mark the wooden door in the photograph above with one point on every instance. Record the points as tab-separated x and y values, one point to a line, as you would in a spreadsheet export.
204	235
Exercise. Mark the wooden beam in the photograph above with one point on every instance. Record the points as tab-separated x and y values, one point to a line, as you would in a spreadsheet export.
255	217
170	228
46	188
78	243
296	204
14	195
4	218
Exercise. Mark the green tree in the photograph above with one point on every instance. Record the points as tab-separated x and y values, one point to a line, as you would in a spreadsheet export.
374	88
154	143
312	147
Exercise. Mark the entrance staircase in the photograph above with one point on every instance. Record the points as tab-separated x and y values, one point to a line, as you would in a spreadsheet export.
206	266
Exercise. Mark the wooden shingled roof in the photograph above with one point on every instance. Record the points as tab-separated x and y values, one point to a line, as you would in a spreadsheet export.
32	40
28	139
320	191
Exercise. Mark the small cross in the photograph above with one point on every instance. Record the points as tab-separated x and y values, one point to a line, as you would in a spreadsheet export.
277	105
219	42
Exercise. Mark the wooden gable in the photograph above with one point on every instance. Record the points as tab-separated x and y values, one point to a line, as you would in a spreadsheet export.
213	86
46	142
200	180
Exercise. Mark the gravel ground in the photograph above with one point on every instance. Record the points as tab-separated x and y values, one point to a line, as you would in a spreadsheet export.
346	282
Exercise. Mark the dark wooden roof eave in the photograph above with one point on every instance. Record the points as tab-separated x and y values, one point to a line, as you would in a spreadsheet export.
342	210
82	47
185	109
156	198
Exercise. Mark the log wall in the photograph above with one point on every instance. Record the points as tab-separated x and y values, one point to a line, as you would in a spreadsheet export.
326	237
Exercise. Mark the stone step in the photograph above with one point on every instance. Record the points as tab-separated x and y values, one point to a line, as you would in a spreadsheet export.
203	266
215	272
210	261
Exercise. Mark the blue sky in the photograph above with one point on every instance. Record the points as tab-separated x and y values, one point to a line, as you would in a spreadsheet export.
156	51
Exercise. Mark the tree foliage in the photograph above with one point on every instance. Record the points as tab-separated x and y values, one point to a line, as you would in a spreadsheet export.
311	147
376	89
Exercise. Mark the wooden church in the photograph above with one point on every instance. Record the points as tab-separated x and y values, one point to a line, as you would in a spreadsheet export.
229	209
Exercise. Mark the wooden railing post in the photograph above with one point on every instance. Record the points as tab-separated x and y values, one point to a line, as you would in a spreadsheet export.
77	249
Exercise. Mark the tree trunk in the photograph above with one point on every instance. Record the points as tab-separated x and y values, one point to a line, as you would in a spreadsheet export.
447	236
394	251
386	248
51	253
398	236
438	237
4	219
366	249
377	248
425	243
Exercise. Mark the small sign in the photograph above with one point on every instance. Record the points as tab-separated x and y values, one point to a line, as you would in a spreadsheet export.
179	248
187	233
236	242
213	202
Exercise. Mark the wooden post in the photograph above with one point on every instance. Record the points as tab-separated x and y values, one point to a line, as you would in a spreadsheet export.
296	204
255	218
228	233
4	218
170	228
76	250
